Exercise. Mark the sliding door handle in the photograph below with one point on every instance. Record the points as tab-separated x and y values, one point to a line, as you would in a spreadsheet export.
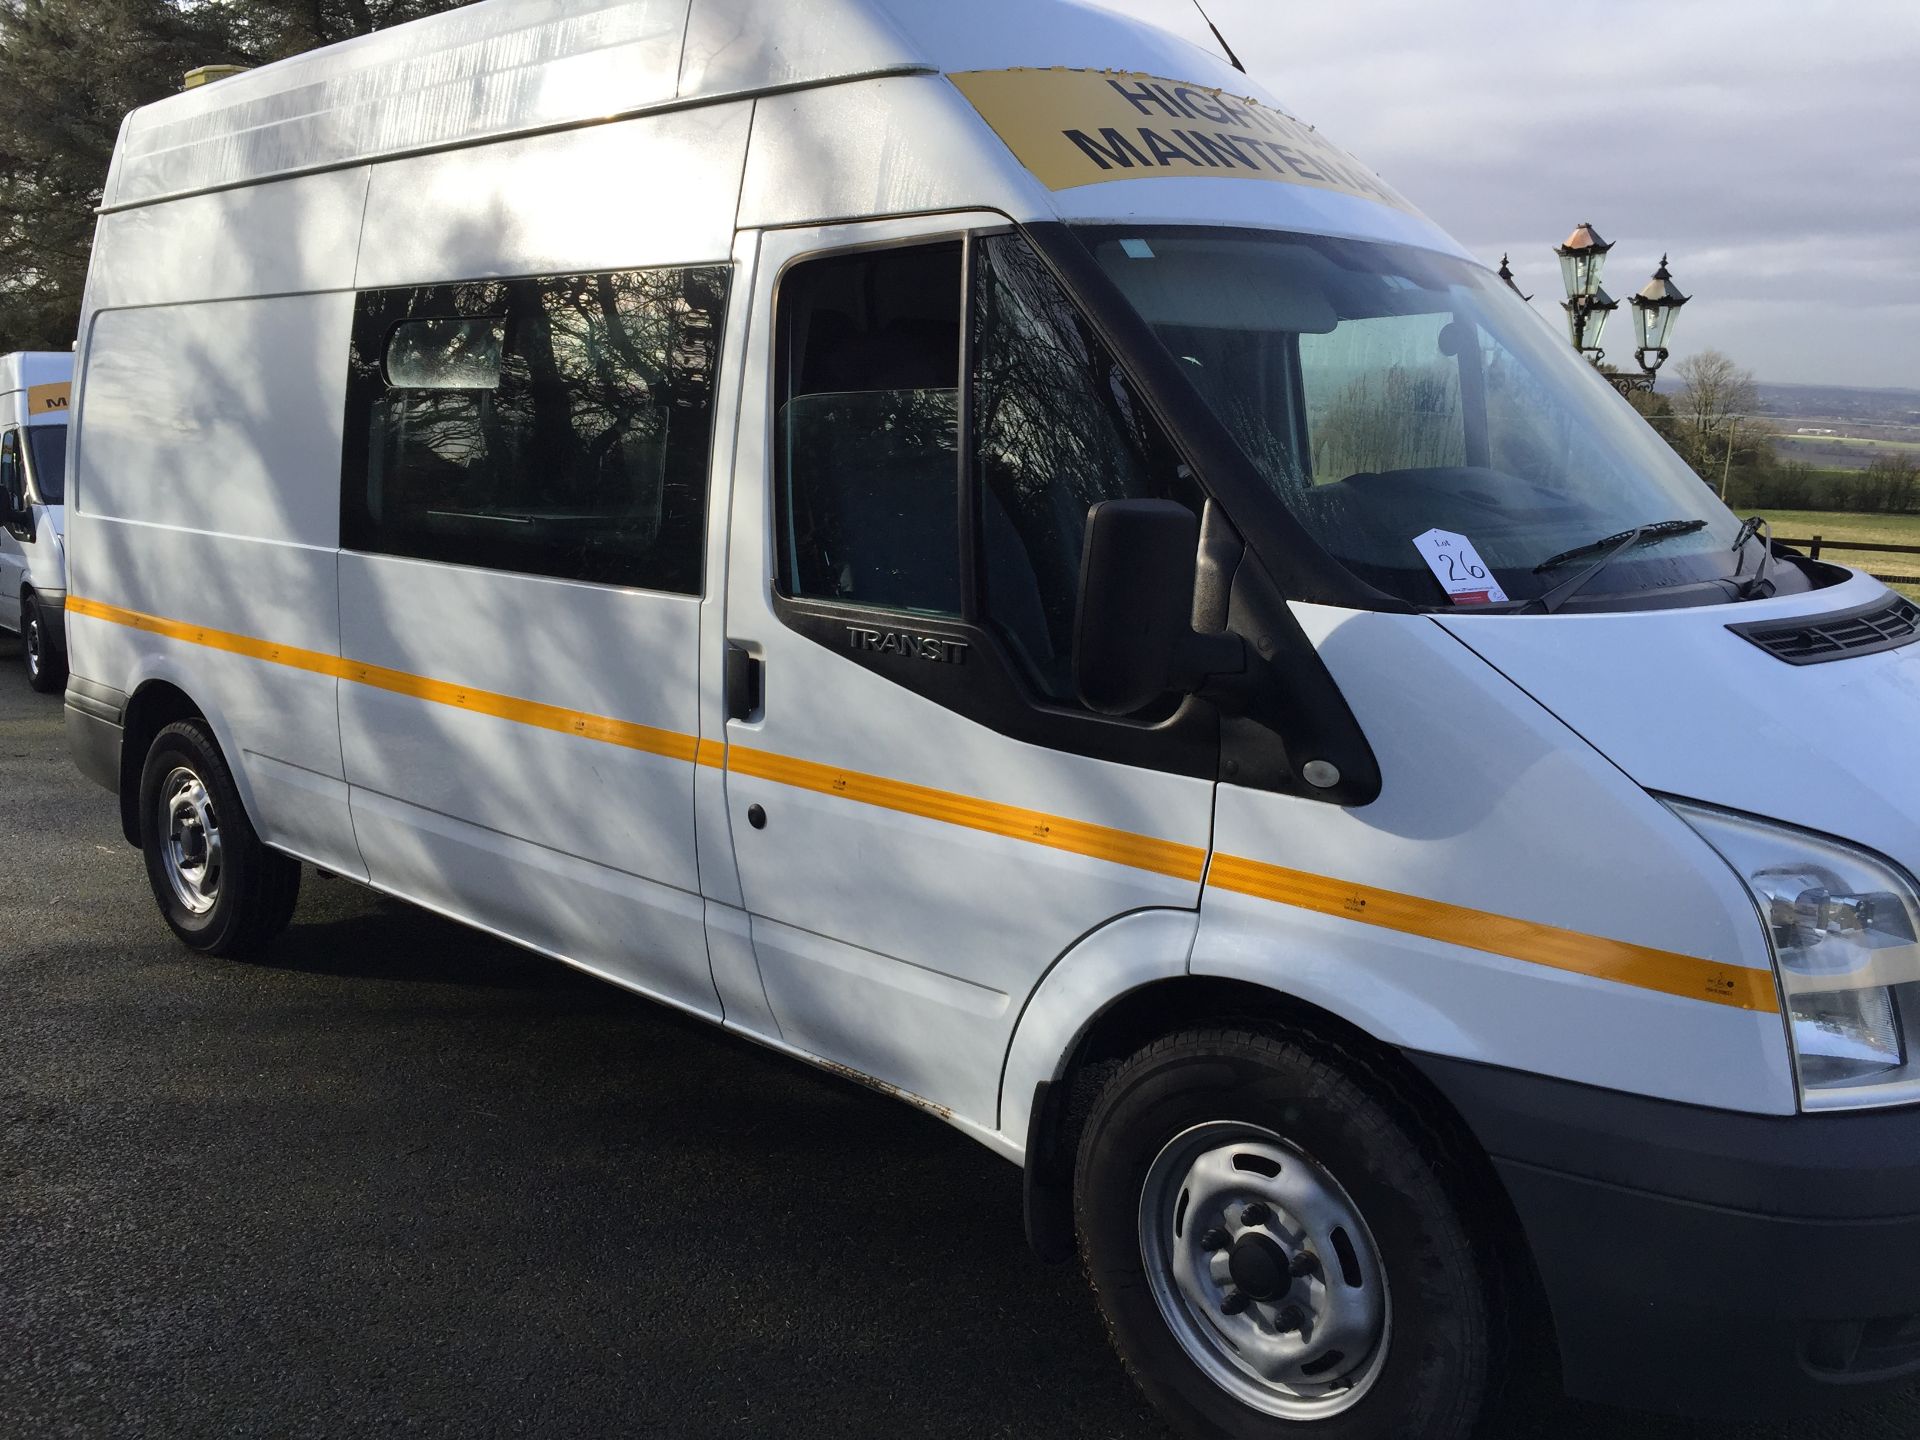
746	684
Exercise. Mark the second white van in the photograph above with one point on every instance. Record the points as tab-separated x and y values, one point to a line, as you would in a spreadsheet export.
35	392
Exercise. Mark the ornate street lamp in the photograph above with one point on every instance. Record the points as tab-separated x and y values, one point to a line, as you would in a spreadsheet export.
1583	256
1656	310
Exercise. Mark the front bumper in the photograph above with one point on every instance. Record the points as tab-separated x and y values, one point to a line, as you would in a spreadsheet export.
1707	1261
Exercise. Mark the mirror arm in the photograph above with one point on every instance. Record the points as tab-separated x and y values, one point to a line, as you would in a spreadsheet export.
1213	666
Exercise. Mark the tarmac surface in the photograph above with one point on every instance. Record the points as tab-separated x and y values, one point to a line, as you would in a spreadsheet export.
400	1177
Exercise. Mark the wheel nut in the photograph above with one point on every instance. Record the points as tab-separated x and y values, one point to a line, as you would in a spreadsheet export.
1232	1303
1255	1214
1213	1240
1303	1264
1292	1320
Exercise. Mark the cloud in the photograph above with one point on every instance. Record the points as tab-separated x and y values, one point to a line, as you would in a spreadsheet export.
1768	145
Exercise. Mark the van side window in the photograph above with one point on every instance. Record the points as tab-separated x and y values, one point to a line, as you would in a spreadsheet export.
1058	428
558	426
869	429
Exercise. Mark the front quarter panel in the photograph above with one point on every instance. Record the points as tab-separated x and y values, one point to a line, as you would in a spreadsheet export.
1511	898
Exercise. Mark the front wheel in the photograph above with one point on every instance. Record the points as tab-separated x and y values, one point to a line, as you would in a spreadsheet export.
46	668
1280	1245
222	891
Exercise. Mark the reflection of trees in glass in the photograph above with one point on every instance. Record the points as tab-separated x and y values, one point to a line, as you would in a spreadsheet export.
1057	429
587	454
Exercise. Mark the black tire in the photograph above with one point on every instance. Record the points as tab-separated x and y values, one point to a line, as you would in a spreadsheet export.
253	890
46	666
1363	1128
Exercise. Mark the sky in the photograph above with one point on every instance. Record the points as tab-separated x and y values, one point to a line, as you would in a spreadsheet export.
1770	147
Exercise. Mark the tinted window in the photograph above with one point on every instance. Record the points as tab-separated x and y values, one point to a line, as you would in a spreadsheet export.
48	444
558	426
1058	428
869	429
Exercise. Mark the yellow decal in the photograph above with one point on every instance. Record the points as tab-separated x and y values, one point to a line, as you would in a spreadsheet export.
49	399
1080	127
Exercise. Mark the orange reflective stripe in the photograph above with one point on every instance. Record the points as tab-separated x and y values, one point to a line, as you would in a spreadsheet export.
1121	847
603	728
1570	950
314	660
1616	960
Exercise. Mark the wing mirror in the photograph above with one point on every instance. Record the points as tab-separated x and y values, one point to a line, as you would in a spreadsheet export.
1133	635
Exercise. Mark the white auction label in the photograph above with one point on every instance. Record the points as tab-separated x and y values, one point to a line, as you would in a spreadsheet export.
1459	568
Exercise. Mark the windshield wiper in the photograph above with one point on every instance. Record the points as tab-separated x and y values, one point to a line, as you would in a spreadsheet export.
1752	527
1609	548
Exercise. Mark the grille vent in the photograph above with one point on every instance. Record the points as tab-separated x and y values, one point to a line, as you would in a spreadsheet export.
1883	625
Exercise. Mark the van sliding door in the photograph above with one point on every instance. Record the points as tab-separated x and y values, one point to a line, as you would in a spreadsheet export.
523	529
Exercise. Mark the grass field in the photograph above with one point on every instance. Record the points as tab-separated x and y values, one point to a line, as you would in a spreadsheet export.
1836	527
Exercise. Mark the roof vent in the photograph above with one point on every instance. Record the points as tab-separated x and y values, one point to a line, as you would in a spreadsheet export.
207	74
1883	625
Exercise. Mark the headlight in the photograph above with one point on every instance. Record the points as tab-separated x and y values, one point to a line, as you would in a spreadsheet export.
1843	923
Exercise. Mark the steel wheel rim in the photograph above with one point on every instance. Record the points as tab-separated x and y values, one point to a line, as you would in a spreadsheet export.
32	637
1231	1209
191	851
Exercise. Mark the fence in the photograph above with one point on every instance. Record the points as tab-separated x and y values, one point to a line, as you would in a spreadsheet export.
1814	546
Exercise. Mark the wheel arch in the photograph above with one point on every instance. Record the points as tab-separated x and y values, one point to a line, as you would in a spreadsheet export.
1164	1005
155	704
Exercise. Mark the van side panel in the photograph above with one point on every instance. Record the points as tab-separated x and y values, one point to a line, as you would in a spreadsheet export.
608	198
222	418
897	146
207	483
579	847
287	238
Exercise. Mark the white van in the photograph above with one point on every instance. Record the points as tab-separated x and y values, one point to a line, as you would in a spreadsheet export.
35	390
950	541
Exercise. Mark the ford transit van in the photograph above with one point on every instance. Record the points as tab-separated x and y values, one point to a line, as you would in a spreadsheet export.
35	390
967	545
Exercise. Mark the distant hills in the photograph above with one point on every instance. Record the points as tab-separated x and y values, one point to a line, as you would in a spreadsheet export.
1845	403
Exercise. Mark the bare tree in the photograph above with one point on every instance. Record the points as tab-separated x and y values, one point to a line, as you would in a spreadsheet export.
1713	409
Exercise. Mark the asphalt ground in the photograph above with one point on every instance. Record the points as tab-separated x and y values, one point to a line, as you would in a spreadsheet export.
402	1178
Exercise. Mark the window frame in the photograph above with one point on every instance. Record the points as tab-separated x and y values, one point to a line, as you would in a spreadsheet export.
980	677
379	316
778	482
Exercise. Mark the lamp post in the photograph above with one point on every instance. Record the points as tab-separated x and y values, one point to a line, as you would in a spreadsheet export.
1656	310
1583	255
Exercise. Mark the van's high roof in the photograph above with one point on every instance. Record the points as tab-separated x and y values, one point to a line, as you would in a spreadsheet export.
29	369
509	67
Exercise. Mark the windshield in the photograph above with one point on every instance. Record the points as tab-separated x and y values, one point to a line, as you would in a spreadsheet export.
1387	393
48	445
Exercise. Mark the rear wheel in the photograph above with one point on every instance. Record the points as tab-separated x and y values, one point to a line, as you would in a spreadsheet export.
219	888
1281	1247
46	668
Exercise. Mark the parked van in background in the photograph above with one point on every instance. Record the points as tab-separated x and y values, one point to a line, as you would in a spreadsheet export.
35	390
949	540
